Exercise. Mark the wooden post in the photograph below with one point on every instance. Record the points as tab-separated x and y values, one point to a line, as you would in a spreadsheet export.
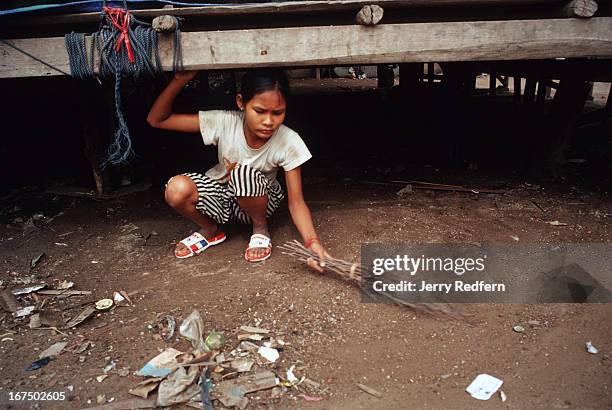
385	76
410	75
318	73
530	88
517	87
565	110
541	95
492	83
87	96
431	73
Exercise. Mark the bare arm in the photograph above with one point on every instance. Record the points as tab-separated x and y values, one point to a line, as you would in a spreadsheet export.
161	115
302	219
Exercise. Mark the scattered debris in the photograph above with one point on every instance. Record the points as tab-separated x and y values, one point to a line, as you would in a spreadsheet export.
556	223
515	238
101	378
518	329
251	329
590	348
268	353
370	390
49	317
29	289
81	317
53	351
484	386
192	329
242	364
36	260
104	304
161	365
214	341
145	387
534	323
9	303
63	285
63	293
232	392
180	386
38	364
503	396
166	327
26	311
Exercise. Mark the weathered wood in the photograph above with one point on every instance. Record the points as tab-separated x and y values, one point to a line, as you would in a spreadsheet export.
530	89
92	129
517	87
563	116
493	83
387	43
580	8
165	23
410	75
385	76
283	8
369	15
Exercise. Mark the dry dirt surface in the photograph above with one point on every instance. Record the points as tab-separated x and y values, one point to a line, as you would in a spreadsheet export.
411	359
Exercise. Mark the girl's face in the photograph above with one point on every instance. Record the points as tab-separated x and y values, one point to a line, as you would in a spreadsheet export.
263	114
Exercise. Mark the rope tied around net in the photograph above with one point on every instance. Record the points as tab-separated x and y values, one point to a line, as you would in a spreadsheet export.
126	48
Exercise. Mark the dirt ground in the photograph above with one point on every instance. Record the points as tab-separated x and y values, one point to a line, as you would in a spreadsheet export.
412	359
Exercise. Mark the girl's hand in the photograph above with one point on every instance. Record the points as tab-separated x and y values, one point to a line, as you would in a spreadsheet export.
185	76
320	251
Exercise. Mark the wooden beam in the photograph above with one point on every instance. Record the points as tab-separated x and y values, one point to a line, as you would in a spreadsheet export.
282	8
337	45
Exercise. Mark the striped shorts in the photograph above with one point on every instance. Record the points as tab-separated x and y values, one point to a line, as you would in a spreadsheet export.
218	201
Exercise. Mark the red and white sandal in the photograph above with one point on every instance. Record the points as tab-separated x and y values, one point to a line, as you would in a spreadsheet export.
196	243
258	241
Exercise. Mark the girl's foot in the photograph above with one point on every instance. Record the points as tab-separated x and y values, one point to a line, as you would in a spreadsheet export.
260	246
198	242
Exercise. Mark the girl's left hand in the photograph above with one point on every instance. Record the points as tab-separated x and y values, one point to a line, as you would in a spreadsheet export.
320	251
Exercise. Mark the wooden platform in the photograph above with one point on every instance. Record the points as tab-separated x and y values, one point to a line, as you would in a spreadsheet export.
353	44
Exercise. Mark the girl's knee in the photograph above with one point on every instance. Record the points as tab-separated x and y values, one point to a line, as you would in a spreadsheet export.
180	189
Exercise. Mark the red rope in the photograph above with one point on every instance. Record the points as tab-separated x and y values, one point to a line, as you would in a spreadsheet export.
120	18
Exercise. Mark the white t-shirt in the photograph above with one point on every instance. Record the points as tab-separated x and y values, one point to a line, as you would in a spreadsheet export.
224	129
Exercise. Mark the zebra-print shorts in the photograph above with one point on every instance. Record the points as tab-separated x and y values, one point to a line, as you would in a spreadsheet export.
218	201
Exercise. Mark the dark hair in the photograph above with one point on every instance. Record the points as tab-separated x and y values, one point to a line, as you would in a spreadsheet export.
261	80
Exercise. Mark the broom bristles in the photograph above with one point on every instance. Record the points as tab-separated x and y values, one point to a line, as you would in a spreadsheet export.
352	272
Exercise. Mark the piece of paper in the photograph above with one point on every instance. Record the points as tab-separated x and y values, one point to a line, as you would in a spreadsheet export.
484	386
161	365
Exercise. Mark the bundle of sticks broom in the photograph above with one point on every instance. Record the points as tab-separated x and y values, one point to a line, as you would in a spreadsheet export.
352	273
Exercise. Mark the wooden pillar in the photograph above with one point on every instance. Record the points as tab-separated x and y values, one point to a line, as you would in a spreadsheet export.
530	89
385	76
541	95
492	83
431	73
89	100
517	87
565	110
410	75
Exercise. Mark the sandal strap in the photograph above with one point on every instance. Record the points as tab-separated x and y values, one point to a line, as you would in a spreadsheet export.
259	241
196	239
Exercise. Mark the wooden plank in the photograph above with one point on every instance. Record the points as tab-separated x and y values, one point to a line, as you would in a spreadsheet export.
331	45
283	8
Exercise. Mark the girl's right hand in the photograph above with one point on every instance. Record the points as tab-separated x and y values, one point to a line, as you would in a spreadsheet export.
185	76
